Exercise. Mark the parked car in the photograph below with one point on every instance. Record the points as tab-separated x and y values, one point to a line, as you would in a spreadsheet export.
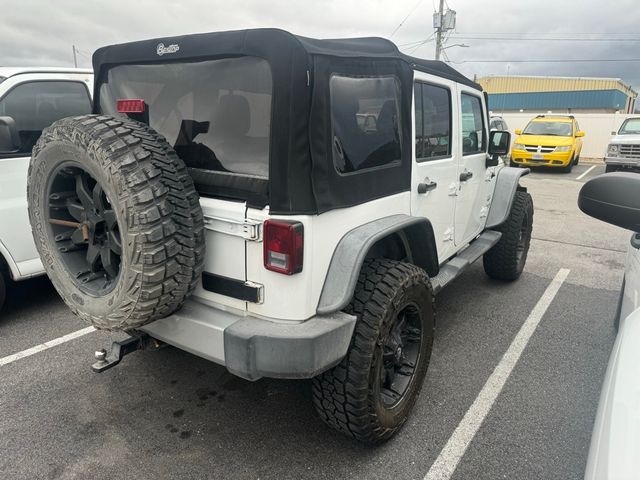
498	123
615	443
236	207
623	151
550	141
30	100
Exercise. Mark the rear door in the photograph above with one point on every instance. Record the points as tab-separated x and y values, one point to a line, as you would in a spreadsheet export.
435	165
475	180
217	116
34	101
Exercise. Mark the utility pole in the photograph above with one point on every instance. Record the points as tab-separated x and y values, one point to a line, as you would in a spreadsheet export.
75	59
443	22
439	30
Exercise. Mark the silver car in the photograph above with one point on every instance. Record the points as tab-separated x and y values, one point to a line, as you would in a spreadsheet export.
615	443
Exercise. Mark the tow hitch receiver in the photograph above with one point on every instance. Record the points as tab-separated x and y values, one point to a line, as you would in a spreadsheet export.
140	341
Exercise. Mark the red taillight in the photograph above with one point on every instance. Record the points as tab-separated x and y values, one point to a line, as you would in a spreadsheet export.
132	105
283	246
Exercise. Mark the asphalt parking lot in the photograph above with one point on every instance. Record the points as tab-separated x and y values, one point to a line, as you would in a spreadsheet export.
168	414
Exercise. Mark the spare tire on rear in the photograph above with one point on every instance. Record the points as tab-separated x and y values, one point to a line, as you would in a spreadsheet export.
116	220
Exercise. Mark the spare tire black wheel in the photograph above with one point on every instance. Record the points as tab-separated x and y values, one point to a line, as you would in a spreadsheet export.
116	220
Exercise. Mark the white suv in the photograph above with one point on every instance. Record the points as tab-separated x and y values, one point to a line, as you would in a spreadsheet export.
30	100
284	206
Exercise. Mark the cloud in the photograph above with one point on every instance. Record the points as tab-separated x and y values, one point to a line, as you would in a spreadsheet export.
42	32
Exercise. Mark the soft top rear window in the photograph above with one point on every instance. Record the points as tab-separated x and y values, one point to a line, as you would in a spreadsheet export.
216	113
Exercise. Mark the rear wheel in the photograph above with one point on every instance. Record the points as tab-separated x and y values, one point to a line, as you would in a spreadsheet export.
370	394
116	220
506	259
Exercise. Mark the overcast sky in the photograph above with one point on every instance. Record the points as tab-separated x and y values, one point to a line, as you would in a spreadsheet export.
42	32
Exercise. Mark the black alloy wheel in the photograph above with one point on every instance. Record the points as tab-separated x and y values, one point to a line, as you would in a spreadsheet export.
84	228
400	355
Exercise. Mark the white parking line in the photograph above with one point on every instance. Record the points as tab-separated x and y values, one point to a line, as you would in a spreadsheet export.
44	346
586	172
447	461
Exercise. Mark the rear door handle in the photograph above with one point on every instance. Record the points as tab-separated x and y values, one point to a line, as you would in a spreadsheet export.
425	187
635	241
466	175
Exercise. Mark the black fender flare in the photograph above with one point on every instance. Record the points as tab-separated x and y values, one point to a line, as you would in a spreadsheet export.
351	251
503	195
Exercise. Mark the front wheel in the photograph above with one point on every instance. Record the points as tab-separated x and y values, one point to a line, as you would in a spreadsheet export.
569	167
506	259
370	394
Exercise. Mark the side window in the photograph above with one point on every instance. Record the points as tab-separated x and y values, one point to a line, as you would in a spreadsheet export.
365	122
433	122
36	105
473	128
576	127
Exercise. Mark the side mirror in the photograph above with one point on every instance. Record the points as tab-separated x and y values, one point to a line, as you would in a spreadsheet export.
579	133
613	198
614	133
9	139
499	143
518	131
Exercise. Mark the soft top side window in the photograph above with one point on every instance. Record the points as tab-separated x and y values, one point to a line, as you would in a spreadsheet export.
365	122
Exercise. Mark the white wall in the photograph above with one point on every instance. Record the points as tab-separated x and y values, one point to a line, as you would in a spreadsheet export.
597	128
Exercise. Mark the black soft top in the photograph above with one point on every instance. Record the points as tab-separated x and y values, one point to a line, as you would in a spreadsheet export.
250	41
302	177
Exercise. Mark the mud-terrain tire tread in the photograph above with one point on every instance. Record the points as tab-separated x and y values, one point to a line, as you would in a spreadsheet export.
162	210
501	262
342	395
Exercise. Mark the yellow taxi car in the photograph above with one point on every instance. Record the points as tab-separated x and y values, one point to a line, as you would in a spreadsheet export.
549	141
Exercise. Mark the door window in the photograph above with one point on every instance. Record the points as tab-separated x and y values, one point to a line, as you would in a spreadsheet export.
36	105
432	121
473	128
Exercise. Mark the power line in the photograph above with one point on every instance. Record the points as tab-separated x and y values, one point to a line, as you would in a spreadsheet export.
549	39
405	18
420	44
556	60
550	33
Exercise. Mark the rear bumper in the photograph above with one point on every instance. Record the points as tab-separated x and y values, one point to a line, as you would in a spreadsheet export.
253	348
525	158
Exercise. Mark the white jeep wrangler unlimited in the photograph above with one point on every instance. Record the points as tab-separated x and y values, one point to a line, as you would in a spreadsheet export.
283	206
30	100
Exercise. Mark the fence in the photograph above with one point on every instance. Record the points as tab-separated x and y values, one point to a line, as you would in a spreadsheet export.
597	128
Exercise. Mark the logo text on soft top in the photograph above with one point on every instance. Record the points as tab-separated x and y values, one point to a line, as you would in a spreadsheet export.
161	49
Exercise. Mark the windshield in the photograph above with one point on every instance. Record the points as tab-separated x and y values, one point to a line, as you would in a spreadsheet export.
216	114
630	126
558	129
